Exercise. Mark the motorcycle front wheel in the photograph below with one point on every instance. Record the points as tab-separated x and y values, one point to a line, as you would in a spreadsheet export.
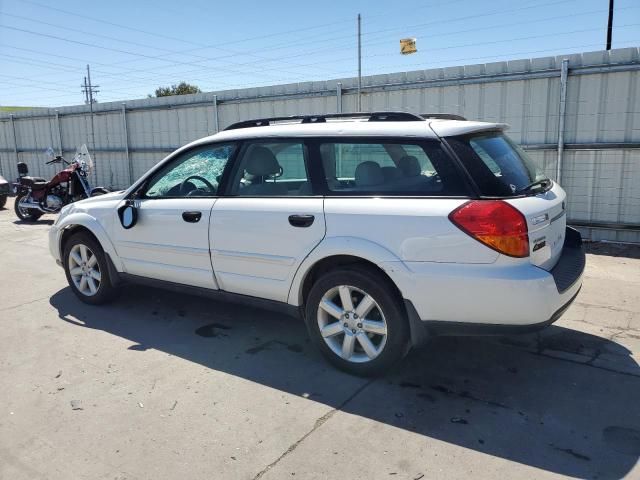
25	214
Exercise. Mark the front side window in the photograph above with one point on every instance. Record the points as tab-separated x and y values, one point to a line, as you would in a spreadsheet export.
497	165
196	173
366	168
271	169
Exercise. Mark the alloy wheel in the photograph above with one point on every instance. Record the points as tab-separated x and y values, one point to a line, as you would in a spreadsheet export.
352	324
84	270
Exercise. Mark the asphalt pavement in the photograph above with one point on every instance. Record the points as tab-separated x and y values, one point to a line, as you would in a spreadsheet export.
160	385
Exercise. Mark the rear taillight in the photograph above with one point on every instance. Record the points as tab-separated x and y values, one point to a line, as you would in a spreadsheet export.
494	223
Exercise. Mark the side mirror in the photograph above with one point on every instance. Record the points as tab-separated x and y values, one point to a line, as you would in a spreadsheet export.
128	214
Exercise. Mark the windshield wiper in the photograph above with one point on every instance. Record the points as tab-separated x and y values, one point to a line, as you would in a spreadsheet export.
539	185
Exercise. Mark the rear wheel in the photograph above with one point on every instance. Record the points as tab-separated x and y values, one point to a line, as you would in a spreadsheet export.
85	265
3	200
357	320
26	214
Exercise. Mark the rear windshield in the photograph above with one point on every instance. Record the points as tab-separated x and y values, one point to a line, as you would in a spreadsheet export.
397	169
497	165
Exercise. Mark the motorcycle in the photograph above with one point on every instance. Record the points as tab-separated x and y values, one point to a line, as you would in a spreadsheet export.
37	196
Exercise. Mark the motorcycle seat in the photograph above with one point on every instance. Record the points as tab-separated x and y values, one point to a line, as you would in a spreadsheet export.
36	183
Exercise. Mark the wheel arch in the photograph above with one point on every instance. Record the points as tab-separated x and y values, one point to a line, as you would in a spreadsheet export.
82	222
348	251
339	251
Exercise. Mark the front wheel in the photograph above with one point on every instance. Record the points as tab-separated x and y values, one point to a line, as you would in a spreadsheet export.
25	214
357	320
3	201
85	266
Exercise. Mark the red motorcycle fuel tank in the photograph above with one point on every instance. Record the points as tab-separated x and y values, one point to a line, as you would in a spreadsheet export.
63	176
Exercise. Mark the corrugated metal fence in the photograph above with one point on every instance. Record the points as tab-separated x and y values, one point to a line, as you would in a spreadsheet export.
581	108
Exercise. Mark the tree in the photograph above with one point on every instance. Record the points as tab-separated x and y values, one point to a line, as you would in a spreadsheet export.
183	88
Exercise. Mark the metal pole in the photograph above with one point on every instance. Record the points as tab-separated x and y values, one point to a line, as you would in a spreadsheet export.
359	103
564	73
126	142
339	97
216	123
93	135
15	138
58	128
610	25
86	91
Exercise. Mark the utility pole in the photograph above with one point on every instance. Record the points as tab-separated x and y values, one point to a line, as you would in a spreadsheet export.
610	25
359	103
88	90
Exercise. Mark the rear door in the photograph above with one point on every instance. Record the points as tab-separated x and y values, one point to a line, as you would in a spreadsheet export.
501	169
268	221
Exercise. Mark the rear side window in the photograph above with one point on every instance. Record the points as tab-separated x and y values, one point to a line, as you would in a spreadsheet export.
402	169
497	165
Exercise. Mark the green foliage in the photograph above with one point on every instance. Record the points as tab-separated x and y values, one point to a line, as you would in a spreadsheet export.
183	88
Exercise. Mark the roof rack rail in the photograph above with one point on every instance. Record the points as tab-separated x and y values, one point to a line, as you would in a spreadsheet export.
322	118
442	116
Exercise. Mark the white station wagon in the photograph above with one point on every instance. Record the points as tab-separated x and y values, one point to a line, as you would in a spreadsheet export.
379	229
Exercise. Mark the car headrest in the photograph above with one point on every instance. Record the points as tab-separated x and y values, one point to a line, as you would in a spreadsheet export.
409	166
368	173
262	162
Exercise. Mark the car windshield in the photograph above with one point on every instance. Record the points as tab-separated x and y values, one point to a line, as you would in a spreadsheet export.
498	166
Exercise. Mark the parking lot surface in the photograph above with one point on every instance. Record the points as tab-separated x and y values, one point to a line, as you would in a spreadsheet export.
160	385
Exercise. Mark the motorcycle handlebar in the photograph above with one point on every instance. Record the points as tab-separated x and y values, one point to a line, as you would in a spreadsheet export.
58	159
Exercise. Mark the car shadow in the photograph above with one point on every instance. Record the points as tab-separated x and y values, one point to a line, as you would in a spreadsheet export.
45	221
613	249
526	399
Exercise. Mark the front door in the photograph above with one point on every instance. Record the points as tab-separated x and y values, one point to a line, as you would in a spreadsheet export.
269	222
170	240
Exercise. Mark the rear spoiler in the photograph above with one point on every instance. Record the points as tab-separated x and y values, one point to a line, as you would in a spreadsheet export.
444	128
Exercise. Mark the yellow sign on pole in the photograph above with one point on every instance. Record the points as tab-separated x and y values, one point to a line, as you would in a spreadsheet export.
407	46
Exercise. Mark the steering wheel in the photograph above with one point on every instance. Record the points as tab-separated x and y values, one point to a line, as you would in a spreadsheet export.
211	188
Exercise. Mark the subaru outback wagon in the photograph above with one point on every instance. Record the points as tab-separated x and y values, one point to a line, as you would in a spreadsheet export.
379	229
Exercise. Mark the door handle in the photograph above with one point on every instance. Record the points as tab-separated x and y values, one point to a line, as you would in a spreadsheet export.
301	220
191	217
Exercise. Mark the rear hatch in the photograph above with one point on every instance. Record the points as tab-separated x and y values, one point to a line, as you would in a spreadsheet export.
501	170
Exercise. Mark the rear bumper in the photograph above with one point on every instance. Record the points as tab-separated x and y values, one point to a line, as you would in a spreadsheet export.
485	299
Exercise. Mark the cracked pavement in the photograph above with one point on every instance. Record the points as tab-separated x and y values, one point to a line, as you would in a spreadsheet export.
159	385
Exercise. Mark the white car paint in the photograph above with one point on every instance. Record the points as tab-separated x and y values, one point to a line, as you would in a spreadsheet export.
165	247
255	250
246	246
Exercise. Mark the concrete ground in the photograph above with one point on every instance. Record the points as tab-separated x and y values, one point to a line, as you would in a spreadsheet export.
164	386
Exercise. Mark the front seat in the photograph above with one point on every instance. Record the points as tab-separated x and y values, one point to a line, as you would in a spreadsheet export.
261	165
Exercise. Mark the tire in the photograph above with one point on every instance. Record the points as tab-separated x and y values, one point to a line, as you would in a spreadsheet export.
3	201
26	214
87	286
385	327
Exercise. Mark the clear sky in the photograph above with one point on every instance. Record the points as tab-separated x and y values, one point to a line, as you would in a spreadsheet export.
135	46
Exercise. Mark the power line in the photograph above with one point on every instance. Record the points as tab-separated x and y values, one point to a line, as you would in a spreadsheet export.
375	55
